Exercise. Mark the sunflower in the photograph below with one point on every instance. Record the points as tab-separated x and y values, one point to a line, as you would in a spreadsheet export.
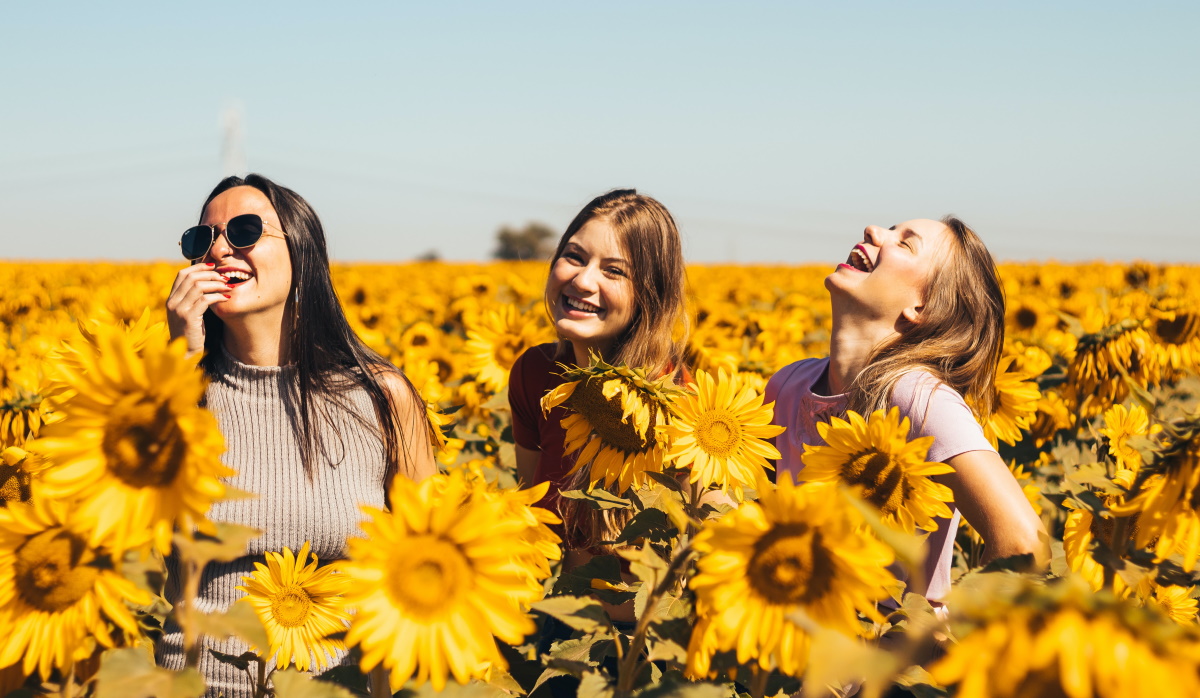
1175	602
437	577
300	605
1061	639
1175	327
718	433
797	549
1082	528
875	457
58	592
615	422
1052	416
134	444
1015	406
1120	425
21	416
501	336
1165	495
1105	358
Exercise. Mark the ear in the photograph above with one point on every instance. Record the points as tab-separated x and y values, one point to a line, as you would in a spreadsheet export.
912	314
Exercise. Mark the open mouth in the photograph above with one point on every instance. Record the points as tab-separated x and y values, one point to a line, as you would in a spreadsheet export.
580	306
860	260
233	277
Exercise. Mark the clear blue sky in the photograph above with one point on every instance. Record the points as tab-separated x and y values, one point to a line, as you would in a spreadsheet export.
773	131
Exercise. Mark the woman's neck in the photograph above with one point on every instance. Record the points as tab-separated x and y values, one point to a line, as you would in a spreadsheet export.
583	351
256	343
851	345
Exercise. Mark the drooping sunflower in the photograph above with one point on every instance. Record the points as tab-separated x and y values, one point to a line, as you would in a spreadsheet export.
717	432
875	457
1053	415
58	592
616	420
134	444
1175	327
436	578
499	338
1063	640
798	548
1105	358
1164	495
300	605
1015	407
1121	425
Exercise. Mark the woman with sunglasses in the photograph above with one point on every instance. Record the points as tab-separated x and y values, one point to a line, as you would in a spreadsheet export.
315	423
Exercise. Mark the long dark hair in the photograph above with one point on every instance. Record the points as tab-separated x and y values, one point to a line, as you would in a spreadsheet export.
321	345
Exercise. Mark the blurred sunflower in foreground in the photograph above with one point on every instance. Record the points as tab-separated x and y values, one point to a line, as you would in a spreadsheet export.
875	457
615	422
134	444
797	549
1019	637
58	592
718	433
437	577
300	605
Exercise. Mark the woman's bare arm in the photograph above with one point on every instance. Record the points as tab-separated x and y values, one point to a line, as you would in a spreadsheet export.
415	436
527	462
991	500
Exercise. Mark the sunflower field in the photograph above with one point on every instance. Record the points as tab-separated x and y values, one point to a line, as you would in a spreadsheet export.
720	582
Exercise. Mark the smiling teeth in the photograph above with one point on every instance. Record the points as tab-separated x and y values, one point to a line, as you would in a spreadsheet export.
239	275
860	261
577	304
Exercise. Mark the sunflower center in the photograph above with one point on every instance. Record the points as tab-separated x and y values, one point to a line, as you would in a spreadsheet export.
291	605
604	416
14	483
881	478
430	576
790	565
1026	319
143	443
719	433
52	570
1183	328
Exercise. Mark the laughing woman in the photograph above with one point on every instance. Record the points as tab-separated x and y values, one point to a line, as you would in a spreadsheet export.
918	324
616	288
315	423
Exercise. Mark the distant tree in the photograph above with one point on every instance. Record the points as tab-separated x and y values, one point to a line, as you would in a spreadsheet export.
534	241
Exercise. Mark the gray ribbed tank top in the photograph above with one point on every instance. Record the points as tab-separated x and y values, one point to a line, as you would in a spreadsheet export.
263	446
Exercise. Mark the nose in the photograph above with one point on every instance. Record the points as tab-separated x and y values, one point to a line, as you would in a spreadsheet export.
584	280
220	247
873	234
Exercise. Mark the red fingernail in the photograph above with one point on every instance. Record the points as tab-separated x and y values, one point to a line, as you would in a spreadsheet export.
226	295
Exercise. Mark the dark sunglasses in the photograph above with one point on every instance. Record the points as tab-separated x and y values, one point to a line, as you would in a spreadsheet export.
241	231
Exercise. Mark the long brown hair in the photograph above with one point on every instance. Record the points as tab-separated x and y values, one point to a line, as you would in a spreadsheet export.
959	338
656	336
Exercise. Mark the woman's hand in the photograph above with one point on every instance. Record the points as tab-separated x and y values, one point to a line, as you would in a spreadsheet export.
195	289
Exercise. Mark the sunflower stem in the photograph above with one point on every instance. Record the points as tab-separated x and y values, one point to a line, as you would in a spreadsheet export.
758	683
186	611
260	687
628	667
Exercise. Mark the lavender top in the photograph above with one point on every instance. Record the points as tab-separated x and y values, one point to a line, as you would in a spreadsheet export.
933	409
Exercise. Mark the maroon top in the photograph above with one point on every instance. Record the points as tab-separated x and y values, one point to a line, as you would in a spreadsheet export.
534	374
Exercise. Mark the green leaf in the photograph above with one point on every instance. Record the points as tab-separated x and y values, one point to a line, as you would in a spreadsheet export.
241	661
594	685
666	480
590	650
599	498
504	681
581	613
229	544
290	683
672	687
130	673
348	676
239	621
553	673
651	524
578	582
1013	563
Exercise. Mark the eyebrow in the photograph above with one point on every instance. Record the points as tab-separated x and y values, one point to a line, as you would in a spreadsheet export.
909	233
607	260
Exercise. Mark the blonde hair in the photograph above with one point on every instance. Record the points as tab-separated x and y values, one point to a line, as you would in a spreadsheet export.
959	338
655	338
